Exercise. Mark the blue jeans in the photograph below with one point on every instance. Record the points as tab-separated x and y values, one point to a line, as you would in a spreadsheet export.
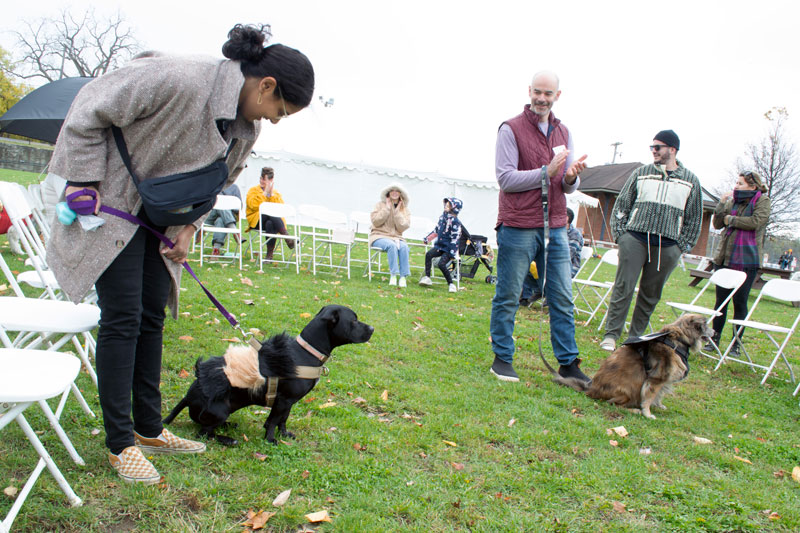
396	252
517	247
221	218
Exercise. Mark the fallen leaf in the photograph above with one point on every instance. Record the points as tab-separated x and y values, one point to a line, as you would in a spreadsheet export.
247	281
359	400
450	443
613	443
701	440
423	455
796	473
779	474
621	431
248	302
512	422
187	338
10	491
742	459
95	432
327	404
619	507
385	395
319	516
305	474
409	483
305	315
774	516
244	438
258	520
644	451
260	456
358	447
457	466
231	340
282	498
183	373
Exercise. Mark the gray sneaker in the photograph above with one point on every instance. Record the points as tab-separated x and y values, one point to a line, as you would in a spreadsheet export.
608	344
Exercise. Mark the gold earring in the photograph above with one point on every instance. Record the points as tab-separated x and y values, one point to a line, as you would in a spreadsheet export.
259	98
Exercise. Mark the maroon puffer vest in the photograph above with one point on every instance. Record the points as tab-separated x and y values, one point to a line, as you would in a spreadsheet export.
524	209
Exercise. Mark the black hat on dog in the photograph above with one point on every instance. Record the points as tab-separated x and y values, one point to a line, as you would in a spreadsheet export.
668	137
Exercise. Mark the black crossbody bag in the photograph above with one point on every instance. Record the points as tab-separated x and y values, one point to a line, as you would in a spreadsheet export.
177	199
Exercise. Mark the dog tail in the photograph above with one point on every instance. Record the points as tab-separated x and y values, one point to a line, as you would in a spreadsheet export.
573	383
178	408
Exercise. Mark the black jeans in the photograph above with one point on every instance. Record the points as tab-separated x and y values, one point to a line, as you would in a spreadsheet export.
132	294
739	302
274	225
445	258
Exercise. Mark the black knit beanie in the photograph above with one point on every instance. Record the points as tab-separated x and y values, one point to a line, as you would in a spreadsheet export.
668	137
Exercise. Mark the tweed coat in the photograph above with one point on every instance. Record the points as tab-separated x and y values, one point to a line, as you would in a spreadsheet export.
167	108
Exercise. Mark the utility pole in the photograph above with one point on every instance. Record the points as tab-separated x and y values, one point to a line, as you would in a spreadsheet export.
615	145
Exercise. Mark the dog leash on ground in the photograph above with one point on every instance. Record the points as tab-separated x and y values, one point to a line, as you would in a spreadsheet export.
86	207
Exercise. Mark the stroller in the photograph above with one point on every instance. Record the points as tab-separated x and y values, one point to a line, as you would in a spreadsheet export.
474	251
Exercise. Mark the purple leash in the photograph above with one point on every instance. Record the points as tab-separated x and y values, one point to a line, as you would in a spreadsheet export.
86	207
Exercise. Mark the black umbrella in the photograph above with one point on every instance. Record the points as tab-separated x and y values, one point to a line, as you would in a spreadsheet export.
40	114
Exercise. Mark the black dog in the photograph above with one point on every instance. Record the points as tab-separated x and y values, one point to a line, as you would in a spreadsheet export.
237	379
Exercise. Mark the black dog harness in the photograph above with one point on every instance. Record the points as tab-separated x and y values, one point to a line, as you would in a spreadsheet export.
302	372
642	345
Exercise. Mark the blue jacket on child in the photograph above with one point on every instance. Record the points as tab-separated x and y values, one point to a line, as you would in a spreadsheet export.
448	229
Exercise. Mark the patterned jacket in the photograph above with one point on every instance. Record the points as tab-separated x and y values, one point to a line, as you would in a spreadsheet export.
652	201
448	229
575	246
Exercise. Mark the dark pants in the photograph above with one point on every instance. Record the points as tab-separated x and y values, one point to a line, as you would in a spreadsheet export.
739	302
132	294
445	258
274	225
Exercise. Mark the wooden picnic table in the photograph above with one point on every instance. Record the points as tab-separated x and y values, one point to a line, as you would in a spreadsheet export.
698	275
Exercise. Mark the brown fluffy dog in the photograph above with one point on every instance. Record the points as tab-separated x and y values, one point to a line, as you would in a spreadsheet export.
640	371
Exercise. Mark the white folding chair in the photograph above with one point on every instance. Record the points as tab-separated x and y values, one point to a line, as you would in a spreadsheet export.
796	390
780	289
361	224
725	278
34	196
329	230
280	255
586	253
600	290
419	228
28	377
52	323
229	203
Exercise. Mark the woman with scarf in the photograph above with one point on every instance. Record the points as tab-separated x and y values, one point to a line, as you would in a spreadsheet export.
742	216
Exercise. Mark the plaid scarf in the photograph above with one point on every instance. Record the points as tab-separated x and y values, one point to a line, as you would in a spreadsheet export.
745	247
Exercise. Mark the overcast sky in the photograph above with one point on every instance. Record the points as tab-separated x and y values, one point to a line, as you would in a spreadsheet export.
424	85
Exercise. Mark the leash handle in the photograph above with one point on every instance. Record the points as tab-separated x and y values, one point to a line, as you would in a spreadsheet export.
86	207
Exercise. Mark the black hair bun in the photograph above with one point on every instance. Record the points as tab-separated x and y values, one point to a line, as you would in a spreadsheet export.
246	42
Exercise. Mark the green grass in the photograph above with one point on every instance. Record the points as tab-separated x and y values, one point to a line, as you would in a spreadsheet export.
20	176
530	456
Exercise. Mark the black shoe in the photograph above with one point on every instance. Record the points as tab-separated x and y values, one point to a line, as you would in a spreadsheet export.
734	351
525	302
573	370
709	347
504	371
536	297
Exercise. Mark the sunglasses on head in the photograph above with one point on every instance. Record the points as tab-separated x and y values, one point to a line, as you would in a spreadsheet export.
657	147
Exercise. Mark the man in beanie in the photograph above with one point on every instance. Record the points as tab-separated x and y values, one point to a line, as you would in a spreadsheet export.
656	218
529	146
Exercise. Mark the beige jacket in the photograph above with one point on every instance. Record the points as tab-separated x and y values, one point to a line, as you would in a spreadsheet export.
386	222
167	108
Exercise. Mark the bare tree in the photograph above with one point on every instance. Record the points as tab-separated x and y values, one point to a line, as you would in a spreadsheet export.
67	46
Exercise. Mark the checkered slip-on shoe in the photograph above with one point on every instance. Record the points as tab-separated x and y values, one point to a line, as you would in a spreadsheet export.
168	443
132	466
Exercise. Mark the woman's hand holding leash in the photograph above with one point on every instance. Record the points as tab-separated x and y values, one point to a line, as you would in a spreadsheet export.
180	251
72	189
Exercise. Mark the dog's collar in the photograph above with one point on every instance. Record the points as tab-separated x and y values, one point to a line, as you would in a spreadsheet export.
680	348
310	349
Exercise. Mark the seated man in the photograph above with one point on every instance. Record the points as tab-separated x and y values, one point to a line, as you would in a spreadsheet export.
223	218
258	194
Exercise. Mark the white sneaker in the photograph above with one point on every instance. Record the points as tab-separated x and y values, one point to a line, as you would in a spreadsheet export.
452	288
392	280
402	283
608	344
425	281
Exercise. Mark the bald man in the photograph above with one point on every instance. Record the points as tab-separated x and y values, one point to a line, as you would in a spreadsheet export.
529	146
